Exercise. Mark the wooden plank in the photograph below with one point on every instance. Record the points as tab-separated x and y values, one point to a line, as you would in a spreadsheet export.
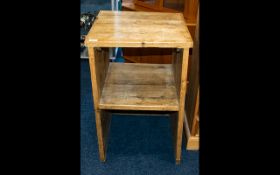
105	28
139	87
195	123
191	121
174	126
94	80
192	142
139	29
148	55
146	44
154	38
106	118
193	88
177	68
99	61
180	66
141	113
100	137
103	120
140	15
182	90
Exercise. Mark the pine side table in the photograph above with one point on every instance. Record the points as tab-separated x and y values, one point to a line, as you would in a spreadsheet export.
135	86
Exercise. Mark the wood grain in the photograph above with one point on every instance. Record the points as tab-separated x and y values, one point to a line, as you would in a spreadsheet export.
94	82
192	142
139	87
103	121
174	126
191	120
191	9
181	113
180	69
99	61
189	12
193	88
135	55
177	68
158	6
195	123
139	29
128	5
148	55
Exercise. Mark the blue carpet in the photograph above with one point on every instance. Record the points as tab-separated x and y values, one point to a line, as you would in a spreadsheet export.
137	145
94	5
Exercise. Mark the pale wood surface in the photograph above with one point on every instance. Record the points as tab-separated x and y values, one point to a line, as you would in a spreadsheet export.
135	54
182	90
193	143
142	87
139	87
99	62
177	68
180	67
103	121
139	29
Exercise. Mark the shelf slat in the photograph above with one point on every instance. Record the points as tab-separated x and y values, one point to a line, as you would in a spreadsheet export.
134	86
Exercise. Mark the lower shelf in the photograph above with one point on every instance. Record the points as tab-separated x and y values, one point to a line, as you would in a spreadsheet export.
134	86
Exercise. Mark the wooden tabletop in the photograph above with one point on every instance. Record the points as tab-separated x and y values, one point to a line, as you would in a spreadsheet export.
139	29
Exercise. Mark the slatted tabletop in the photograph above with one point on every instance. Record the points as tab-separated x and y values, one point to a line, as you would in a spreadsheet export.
139	29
